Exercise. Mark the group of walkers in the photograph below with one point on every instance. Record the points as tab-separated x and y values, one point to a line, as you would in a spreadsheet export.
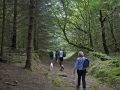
58	57
79	64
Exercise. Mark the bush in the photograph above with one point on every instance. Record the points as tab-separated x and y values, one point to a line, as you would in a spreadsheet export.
102	56
114	72
106	71
115	63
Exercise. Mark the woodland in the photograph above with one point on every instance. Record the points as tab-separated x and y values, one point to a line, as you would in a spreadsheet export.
33	28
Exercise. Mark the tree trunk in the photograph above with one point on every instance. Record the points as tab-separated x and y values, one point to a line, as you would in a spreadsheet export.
102	20
13	46
114	41
35	27
90	35
30	35
3	29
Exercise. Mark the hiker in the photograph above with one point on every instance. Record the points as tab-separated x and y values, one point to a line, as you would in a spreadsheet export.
81	72
61	59
56	56
51	55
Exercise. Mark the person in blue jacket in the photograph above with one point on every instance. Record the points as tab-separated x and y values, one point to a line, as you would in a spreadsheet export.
81	72
56	56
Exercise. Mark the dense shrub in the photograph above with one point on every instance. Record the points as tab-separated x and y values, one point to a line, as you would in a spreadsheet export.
115	63
106	71
102	56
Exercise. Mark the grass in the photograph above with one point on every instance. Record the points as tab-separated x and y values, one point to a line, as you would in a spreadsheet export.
57	82
94	87
68	55
46	73
54	80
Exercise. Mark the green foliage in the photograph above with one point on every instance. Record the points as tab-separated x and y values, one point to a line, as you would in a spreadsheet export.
57	83
114	72
92	70
72	88
94	87
101	73
46	73
113	81
43	54
113	77
107	72
102	56
115	63
35	56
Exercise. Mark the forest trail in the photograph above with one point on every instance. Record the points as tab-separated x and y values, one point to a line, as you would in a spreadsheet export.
14	77
69	80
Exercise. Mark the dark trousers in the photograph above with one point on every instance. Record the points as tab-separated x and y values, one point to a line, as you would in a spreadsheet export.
81	73
61	61
51	57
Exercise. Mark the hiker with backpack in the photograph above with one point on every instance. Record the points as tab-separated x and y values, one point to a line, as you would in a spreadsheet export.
61	60
80	65
56	56
51	55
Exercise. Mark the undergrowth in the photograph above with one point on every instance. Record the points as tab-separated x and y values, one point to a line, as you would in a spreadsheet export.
57	83
107	72
102	56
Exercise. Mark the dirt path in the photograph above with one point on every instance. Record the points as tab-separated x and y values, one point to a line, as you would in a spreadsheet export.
69	80
14	77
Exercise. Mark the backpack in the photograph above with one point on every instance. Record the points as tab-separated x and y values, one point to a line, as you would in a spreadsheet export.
86	63
64	54
57	53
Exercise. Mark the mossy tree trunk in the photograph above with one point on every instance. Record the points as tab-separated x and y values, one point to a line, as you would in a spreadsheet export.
3	29
30	35
102	20
114	41
13	46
